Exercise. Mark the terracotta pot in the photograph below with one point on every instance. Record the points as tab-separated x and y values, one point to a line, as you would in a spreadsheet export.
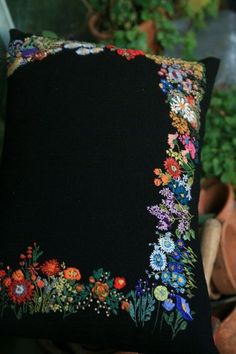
224	271
216	197
147	27
94	27
210	239
225	336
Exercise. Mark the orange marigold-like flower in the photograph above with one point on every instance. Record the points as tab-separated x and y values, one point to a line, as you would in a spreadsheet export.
119	282
18	275
100	290
72	273
7	282
172	167
20	291
51	267
125	305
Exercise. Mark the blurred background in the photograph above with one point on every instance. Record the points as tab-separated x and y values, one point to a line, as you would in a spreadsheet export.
191	29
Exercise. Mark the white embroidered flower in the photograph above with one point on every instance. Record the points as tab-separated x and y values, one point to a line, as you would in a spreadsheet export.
86	51
73	45
180	105
158	260
166	244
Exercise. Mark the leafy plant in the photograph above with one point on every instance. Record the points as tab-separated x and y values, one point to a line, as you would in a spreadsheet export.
219	146
122	19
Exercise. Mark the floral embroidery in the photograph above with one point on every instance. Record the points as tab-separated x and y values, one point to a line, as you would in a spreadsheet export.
36	48
162	297
51	286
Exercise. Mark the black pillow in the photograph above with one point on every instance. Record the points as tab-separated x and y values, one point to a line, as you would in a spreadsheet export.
99	187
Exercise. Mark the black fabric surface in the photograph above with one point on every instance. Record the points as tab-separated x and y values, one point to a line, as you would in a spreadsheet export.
83	135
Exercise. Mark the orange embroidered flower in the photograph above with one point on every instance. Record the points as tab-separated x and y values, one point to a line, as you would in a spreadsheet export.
100	290
40	283
180	124
157	182
165	178
2	273
18	275
79	288
51	267
20	291
172	167
125	305
7	282
157	171
119	282
72	273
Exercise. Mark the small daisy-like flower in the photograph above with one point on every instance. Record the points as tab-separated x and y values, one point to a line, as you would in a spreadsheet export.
158	260
166	244
179	105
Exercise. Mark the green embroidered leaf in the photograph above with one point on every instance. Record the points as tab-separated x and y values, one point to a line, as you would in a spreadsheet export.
132	312
183	326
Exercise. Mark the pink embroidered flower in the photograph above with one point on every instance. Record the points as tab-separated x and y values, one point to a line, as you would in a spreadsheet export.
171	138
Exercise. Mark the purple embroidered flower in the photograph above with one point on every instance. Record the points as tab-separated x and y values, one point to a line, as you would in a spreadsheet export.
28	52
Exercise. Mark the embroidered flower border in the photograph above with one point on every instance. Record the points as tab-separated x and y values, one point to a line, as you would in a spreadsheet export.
161	297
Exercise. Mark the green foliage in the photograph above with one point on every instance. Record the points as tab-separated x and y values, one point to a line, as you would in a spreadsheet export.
219	147
122	18
175	321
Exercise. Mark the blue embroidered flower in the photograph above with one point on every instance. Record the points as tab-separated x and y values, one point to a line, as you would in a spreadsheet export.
165	276
168	304
180	243
176	254
183	308
180	192
166	243
165	86
181	279
175	267
158	260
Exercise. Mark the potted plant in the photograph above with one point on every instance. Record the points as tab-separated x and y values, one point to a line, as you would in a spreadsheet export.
147	25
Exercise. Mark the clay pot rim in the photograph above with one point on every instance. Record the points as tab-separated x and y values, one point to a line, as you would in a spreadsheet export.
224	253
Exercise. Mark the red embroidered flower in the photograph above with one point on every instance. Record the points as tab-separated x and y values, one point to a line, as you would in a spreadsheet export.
172	167
51	267
119	282
20	291
40	283
72	273
2	273
127	53
7	282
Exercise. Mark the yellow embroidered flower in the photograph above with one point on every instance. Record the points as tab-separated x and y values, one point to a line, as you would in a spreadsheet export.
161	293
180	124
